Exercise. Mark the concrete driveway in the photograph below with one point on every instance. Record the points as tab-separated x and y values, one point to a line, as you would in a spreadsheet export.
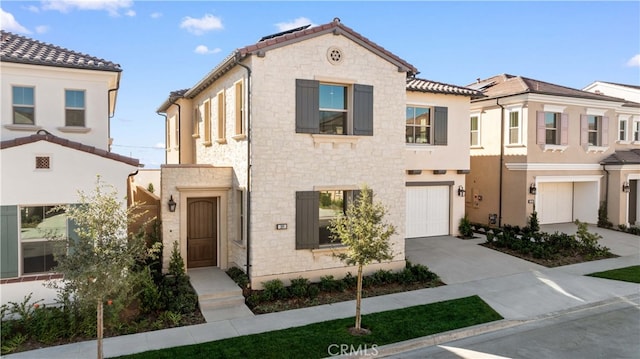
458	260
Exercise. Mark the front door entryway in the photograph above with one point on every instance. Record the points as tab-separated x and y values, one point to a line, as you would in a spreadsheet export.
202	232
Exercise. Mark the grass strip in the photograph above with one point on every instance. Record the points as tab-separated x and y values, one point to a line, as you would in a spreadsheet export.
627	274
320	340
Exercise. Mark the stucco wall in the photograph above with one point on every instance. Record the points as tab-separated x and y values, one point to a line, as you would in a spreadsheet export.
71	171
49	85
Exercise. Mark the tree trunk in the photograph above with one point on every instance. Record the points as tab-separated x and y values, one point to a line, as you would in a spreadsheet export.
99	329
358	298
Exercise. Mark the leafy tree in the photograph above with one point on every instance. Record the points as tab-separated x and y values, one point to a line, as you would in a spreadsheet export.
365	234
98	265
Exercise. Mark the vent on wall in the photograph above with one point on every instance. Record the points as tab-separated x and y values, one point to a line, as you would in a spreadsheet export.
43	162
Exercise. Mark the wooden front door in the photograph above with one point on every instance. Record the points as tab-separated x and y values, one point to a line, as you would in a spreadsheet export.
202	232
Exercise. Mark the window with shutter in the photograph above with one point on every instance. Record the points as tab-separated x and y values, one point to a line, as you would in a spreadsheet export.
307	220
9	241
325	108
222	118
440	124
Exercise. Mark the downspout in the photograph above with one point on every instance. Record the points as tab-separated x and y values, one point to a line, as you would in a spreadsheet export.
606	194
179	124
109	113
501	162
166	128
248	215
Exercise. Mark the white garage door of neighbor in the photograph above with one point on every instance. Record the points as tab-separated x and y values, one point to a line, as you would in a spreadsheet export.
556	202
427	211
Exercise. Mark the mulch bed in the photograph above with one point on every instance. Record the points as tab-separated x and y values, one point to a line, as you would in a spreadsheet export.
561	260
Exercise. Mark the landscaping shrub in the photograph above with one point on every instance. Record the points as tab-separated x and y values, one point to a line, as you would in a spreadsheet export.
274	290
299	287
330	284
533	225
465	229
603	216
238	276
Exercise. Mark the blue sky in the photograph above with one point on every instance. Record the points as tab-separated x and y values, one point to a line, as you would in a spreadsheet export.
164	46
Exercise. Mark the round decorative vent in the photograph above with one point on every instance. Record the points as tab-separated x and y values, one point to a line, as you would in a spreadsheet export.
334	55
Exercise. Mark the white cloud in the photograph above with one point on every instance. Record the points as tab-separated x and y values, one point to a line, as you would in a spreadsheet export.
159	145
42	29
301	21
199	26
9	23
110	6
634	61
33	8
203	50
130	13
156	15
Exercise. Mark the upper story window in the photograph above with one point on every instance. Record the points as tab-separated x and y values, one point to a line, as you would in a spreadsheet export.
636	130
196	122
426	125
515	126
334	109
23	105
74	108
418	125
222	118
593	126
207	123
594	130
239	110
475	131
622	130
552	126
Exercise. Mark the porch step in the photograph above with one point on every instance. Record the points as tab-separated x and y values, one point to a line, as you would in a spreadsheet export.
221	302
220	298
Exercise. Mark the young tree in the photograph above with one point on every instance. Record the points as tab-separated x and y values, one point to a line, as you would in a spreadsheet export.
98	264
365	234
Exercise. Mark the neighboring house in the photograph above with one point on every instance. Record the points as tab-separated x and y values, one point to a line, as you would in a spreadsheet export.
624	163
55	112
539	146
277	139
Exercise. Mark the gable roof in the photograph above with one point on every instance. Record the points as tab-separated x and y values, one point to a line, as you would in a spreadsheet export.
623	158
635	87
422	85
510	85
70	144
285	38
24	50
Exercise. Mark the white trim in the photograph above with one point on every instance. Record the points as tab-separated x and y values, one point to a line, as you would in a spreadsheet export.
634	167
335	139
554	148
554	108
596	111
552	166
597	149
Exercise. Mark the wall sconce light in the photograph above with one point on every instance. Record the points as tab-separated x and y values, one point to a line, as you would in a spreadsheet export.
461	191
172	204
532	189
625	187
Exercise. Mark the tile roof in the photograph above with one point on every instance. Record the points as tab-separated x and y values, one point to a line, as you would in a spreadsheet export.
23	50
284	38
623	158
422	85
41	136
509	85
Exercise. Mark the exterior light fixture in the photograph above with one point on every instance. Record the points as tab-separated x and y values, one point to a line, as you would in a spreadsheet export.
625	187
172	204
461	191
532	189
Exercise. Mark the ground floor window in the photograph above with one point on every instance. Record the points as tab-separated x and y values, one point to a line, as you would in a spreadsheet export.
332	205
38	224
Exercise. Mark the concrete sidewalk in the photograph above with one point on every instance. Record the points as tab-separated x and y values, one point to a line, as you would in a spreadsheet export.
515	288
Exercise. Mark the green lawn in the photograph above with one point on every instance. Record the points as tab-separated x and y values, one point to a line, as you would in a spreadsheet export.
627	274
319	340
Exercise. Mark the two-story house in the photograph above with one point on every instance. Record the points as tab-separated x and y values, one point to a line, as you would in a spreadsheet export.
277	140
539	146
56	105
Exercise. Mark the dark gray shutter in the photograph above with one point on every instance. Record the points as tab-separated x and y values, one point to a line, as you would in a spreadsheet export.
307	220
440	124
362	110
9	241
307	106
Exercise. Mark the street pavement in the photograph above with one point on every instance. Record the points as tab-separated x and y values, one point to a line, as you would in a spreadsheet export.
522	292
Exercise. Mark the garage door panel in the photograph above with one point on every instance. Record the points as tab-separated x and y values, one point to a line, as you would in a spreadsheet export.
556	202
427	211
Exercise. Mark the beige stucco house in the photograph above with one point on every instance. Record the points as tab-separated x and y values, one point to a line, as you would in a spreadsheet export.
279	137
544	147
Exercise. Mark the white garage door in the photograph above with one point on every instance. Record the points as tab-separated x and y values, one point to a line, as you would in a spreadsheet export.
427	211
555	202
